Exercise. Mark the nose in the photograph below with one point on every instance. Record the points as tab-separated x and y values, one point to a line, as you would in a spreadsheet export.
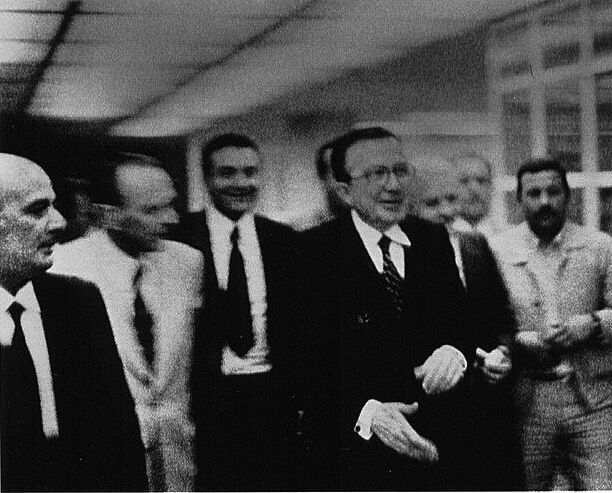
545	198
170	216
56	220
392	182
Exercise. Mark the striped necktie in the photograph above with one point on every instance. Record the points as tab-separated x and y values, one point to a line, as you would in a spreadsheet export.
393	281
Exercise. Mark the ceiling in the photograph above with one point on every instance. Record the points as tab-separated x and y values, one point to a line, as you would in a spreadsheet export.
151	68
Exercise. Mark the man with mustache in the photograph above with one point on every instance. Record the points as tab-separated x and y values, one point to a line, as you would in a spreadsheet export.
243	355
559	278
68	421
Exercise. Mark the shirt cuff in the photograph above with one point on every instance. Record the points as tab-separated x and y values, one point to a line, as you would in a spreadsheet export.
459	355
363	427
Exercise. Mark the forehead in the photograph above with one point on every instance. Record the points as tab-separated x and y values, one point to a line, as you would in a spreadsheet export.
373	152
23	185
144	185
472	167
541	179
235	157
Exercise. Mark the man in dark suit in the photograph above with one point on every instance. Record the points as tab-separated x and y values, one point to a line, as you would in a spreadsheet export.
385	341
68	420
243	356
492	459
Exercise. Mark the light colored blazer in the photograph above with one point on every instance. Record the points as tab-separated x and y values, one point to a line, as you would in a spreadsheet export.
171	291
584	285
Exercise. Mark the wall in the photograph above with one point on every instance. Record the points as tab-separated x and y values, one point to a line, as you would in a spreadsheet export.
446	76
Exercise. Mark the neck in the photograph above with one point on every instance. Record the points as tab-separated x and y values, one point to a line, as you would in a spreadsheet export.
130	246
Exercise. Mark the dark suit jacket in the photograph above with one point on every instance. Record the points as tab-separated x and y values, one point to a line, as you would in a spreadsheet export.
278	251
359	351
99	446
491	318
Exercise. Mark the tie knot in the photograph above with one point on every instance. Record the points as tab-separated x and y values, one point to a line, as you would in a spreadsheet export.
15	310
384	243
234	236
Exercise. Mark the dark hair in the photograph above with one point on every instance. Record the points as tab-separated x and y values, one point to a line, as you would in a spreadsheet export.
342	144
220	142
104	189
537	165
475	156
323	160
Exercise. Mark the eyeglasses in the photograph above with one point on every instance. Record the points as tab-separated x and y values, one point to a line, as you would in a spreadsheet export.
381	174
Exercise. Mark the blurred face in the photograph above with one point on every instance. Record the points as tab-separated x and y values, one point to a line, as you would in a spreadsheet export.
29	222
440	203
234	180
475	182
381	199
147	212
544	203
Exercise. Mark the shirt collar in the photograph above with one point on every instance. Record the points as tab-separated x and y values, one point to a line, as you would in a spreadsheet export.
372	236
225	225
25	296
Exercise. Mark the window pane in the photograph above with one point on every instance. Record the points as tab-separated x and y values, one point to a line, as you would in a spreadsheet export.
516	125
515	215
565	54
602	19
603	84
605	197
563	123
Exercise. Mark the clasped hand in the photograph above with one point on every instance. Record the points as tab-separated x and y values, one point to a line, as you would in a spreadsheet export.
390	425
575	330
494	365
441	371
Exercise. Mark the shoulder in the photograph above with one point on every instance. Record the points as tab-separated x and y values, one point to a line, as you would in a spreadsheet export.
69	288
422	231
326	232
267	226
183	251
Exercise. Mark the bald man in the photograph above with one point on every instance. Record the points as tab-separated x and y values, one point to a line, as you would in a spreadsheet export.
491	324
68	420
151	288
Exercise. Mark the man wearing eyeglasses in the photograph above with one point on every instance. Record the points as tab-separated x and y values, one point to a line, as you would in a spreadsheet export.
384	332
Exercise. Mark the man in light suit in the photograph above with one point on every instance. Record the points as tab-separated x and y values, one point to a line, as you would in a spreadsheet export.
68	421
385	347
244	359
151	288
559	277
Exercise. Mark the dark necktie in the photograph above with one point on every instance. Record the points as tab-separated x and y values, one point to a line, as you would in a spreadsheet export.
143	321
238	311
393	281
22	431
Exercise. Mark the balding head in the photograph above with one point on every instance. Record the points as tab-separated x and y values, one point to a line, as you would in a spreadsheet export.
438	191
29	222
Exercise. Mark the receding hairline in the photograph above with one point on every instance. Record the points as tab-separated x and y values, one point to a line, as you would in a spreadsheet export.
17	174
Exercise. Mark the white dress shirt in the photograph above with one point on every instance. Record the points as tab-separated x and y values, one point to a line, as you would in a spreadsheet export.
31	323
370	238
220	228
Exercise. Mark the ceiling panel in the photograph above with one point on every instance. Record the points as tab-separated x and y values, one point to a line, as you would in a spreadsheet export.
171	65
136	54
17	25
40	5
